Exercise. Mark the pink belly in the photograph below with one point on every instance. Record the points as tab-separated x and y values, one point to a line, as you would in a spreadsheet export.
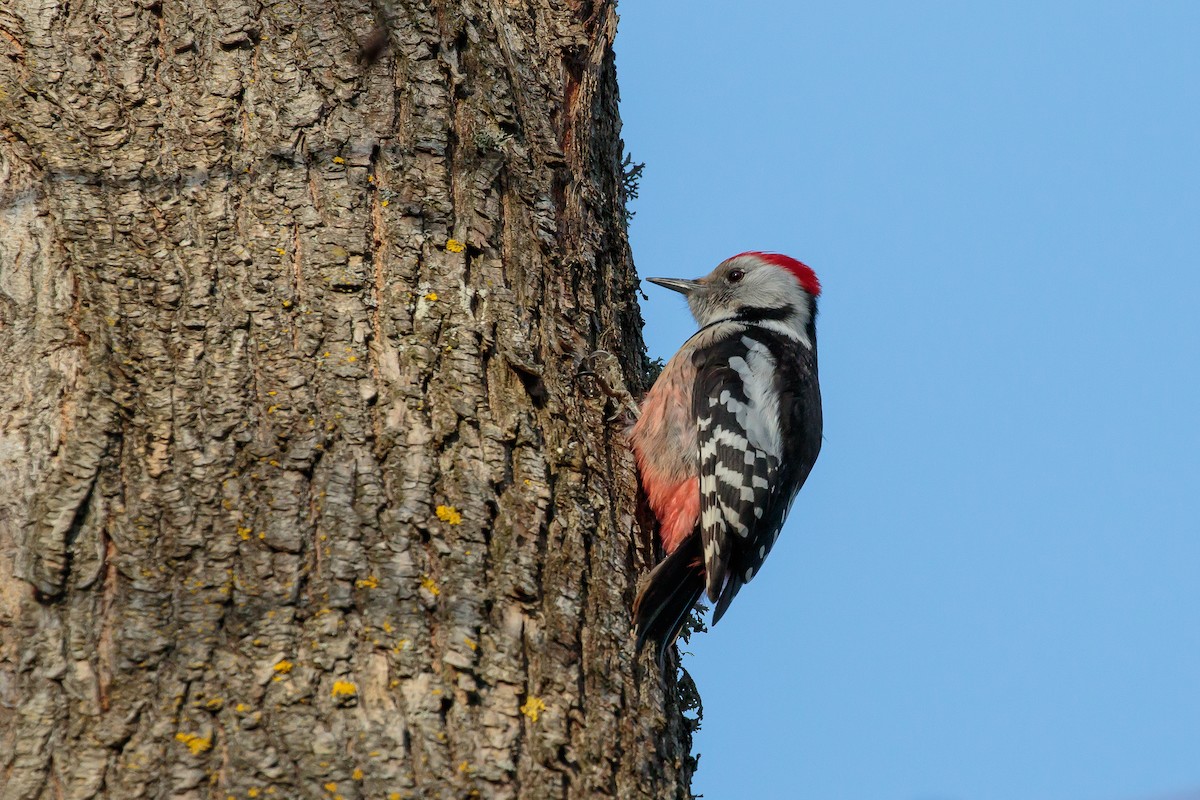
678	510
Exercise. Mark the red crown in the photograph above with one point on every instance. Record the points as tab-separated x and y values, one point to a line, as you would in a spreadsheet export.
804	274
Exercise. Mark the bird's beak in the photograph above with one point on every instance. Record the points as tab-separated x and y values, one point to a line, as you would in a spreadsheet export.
681	285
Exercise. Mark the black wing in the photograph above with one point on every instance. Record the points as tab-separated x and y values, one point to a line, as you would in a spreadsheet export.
758	409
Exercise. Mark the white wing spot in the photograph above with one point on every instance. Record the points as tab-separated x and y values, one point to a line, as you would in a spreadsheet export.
749	574
726	475
730	437
757	374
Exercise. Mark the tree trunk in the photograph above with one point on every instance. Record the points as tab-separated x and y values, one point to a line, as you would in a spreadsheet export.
301	492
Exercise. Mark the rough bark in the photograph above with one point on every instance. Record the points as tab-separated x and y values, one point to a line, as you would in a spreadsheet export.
301	494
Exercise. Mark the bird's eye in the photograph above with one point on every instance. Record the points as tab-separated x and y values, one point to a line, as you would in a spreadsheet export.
736	275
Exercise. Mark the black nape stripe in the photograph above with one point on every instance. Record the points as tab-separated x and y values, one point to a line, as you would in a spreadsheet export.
765	314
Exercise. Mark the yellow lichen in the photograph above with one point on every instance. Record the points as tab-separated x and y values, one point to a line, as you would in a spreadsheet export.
252	792
357	774
244	533
194	742
431	297
533	707
281	251
344	689
241	708
471	643
465	767
384	203
455	246
339	160
284	667
449	515
370	582
331	787
428	585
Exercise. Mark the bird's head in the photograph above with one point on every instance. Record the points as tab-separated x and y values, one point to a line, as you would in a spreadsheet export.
752	286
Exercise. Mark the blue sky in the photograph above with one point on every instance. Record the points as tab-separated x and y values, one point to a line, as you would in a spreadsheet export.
990	587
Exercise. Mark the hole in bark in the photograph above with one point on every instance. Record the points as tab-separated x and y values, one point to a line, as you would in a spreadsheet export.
535	387
372	46
575	59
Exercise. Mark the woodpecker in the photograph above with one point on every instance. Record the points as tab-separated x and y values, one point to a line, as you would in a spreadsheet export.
727	435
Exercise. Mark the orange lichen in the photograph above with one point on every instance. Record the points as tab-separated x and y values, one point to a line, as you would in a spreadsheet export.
533	707
196	743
